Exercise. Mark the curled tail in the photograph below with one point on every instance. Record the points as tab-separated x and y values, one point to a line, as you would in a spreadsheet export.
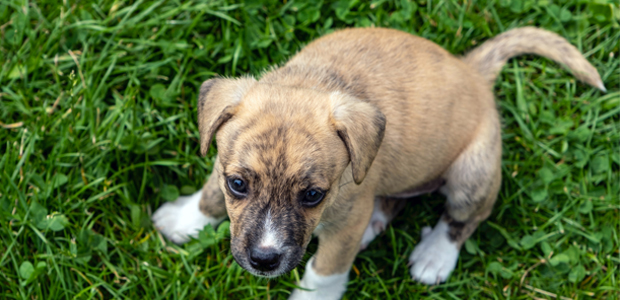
491	56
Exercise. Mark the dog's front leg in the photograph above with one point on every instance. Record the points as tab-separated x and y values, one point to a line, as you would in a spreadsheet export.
185	217
327	272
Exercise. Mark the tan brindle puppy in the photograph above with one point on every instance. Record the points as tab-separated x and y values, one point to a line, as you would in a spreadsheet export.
325	143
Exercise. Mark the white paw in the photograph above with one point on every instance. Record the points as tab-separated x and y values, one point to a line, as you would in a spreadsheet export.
330	287
182	219
434	258
378	223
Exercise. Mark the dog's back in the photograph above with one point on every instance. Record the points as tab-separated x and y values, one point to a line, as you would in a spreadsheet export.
427	122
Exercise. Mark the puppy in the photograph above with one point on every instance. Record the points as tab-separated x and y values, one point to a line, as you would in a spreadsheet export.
329	143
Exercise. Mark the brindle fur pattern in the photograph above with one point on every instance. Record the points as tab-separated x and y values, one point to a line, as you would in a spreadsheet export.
362	113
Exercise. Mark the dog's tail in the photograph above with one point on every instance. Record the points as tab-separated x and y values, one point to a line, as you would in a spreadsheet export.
491	56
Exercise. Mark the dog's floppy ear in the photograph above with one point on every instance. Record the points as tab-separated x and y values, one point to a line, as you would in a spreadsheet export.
361	126
217	102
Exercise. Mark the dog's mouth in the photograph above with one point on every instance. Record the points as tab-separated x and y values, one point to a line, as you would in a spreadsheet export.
269	263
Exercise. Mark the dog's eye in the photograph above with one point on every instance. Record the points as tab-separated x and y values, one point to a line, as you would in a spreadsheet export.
312	197
237	186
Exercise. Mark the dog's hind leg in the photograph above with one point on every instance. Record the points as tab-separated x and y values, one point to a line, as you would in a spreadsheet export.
384	211
472	184
183	218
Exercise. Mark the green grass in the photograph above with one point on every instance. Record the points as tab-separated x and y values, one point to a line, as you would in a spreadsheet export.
98	112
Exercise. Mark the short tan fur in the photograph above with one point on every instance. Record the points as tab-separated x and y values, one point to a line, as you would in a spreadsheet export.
361	114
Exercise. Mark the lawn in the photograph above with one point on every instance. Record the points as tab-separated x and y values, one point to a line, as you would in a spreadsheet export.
98	129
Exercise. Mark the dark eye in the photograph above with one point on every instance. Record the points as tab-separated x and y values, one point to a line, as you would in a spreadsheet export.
237	186
312	197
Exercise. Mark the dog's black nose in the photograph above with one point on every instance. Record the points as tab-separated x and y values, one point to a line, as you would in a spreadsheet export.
264	259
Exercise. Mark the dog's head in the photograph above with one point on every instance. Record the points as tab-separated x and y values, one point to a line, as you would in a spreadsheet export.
282	153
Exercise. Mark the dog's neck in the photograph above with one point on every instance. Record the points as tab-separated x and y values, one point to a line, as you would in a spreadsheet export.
315	77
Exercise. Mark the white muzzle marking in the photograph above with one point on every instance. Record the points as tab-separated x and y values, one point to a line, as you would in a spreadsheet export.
269	238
